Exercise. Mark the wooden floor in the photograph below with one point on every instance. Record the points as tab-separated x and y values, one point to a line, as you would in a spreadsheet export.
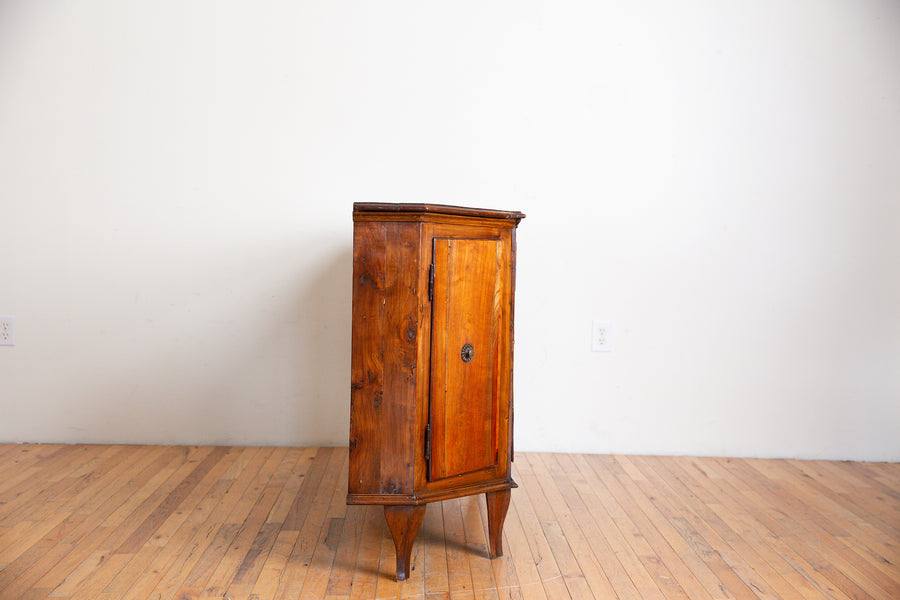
157	523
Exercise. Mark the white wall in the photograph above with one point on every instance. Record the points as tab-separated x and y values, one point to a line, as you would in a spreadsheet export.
719	180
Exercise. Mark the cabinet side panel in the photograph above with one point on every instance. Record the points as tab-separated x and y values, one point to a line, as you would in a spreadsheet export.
367	358
512	344
399	438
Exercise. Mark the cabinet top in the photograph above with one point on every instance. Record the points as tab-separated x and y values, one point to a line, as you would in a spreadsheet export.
436	209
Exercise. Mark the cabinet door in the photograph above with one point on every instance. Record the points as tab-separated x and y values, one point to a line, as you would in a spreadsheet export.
466	358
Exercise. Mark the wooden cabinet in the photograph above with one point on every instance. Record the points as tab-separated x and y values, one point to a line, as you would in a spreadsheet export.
431	367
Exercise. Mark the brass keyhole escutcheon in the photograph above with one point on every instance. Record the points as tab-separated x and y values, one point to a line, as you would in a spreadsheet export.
467	353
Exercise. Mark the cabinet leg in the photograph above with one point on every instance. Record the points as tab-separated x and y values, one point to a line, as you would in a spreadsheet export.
497	505
404	523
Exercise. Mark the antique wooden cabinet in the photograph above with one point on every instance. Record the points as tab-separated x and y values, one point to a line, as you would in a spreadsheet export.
431	366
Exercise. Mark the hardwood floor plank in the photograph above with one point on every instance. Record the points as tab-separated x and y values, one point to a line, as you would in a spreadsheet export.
266	585
78	521
292	484
740	512
458	571
309	513
81	572
38	496
582	503
181	525
673	576
551	576
770	514
476	549
646	542
883	476
296	515
88	537
615	528
365	575
242	548
842	566
698	572
530	583
670	505
341	577
61	514
572	575
29	470
861	512
187	569
266	534
757	558
321	563
590	567
208	523
137	523
193	475
743	560
504	570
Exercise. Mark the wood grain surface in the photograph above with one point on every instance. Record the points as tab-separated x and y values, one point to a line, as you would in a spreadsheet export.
176	523
468	294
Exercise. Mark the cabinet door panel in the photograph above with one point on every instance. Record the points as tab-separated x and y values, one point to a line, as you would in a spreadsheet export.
468	292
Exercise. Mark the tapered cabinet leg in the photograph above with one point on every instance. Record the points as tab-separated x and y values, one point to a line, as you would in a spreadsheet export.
497	505
404	523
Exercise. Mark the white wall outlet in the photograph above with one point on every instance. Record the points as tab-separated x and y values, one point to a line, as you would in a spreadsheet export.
601	332
7	331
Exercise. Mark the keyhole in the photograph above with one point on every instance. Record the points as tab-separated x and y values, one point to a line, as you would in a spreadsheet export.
467	353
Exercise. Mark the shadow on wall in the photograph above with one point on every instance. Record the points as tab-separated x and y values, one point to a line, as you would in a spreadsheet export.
254	350
323	384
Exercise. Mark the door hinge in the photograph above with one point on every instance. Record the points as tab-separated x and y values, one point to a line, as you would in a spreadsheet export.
428	442
431	283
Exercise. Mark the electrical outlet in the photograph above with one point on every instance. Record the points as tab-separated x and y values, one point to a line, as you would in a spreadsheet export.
7	331
601	332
